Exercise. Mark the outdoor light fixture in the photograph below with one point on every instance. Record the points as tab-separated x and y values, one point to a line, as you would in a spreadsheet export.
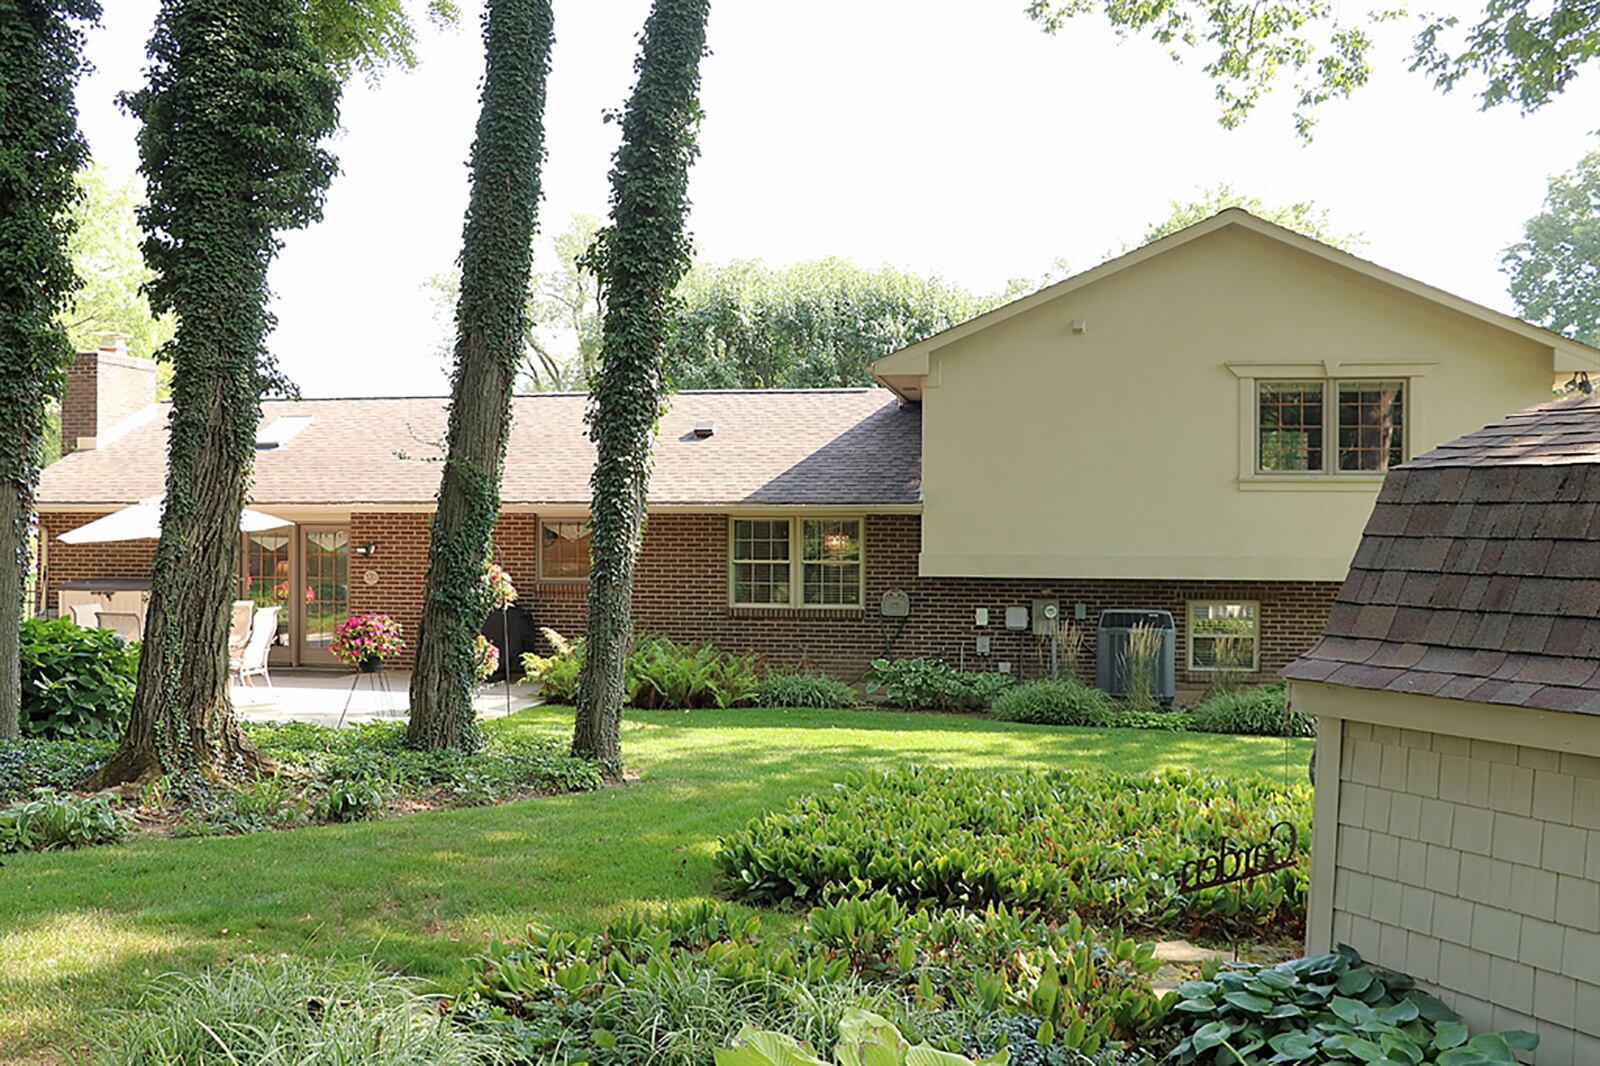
367	550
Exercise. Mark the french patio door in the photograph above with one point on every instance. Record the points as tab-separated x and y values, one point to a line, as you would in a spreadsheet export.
305	572
325	599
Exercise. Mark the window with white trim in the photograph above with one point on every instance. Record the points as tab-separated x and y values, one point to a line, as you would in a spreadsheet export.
1330	426
1224	636
564	550
796	562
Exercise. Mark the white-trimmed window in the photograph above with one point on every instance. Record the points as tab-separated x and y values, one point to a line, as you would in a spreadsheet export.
1330	426
1224	636
564	549
796	562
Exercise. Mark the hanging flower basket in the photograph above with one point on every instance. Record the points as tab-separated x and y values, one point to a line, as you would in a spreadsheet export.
367	641
485	658
501	592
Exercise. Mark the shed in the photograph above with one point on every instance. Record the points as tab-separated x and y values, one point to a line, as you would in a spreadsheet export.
1457	696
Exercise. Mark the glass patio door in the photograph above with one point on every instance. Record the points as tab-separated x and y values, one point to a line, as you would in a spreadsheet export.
268	578
325	595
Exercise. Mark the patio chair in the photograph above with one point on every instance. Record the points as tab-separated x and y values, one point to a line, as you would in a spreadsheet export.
125	626
252	658
85	615
239	626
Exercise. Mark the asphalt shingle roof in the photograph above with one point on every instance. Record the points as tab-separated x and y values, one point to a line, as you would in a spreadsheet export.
822	446
1478	574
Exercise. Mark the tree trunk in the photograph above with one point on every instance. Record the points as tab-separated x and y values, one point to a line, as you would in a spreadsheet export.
491	319
182	721
640	259
13	573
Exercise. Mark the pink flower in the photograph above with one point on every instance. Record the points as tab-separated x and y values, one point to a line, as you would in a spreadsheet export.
362	637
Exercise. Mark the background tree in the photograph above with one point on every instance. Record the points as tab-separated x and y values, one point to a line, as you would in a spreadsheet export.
41	149
1522	51
1304	217
639	258
105	253
491	325
236	105
367	36
811	325
1554	270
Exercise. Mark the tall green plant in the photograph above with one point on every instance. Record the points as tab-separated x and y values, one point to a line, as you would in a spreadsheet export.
236	105
491	317
639	258
41	149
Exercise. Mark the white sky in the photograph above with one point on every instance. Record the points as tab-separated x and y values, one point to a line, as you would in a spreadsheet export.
949	138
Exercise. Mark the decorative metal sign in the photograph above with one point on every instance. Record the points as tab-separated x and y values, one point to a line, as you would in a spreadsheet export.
1228	864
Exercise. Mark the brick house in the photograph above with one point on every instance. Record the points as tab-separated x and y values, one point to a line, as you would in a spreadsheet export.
1199	426
1457	694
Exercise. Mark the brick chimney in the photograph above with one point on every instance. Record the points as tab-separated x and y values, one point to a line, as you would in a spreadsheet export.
105	385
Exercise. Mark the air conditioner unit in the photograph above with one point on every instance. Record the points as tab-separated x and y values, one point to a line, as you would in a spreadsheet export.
1111	652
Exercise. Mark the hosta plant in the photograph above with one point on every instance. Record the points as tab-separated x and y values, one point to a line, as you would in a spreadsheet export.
864	1040
1330	1008
54	820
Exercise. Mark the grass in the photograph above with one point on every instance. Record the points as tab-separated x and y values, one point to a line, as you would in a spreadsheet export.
80	931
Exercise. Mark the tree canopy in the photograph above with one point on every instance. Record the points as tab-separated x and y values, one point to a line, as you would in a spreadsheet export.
1303	217
367	36
1519	50
1554	270
105	253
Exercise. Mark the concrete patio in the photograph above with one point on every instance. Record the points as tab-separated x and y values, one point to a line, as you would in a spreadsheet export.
320	696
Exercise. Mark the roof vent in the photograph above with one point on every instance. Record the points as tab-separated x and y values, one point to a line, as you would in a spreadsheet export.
704	429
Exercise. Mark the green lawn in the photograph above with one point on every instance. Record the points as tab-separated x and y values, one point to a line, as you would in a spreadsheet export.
83	930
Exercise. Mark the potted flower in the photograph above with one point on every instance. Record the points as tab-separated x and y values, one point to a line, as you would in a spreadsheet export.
365	641
485	658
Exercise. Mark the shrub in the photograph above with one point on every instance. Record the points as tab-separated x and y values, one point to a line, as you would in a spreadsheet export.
1168	721
1326	1008
673	987
556	675
76	683
1256	711
677	677
1105	845
804	690
288	1011
1062	702
51	820
29	764
931	685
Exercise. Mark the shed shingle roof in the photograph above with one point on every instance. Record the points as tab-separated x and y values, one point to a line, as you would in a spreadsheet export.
818	447
1478	574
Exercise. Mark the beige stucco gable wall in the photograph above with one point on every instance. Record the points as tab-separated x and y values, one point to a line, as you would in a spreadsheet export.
1445	850
1124	450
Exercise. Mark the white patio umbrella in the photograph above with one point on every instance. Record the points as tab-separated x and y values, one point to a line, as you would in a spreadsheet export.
142	521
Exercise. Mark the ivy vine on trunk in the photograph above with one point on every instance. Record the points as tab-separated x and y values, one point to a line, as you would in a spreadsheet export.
491	316
639	258
237	104
41	149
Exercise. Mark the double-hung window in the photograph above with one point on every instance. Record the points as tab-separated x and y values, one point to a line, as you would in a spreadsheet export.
796	562
1332	426
1225	637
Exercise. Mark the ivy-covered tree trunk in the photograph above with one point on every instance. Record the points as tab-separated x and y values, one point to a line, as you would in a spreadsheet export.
639	257
237	103
491	317
41	150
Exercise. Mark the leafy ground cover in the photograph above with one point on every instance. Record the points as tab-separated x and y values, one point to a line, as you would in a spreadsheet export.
1104	845
423	895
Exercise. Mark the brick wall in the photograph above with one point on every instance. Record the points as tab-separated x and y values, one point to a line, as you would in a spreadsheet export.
682	593
65	563
1475	867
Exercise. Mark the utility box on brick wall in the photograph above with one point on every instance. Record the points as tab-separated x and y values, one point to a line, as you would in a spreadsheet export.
1457	697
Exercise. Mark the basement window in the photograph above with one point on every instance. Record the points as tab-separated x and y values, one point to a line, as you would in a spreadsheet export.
764	555
564	550
1224	637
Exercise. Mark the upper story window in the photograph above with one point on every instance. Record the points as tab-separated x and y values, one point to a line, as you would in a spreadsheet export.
796	562
1329	426
563	550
